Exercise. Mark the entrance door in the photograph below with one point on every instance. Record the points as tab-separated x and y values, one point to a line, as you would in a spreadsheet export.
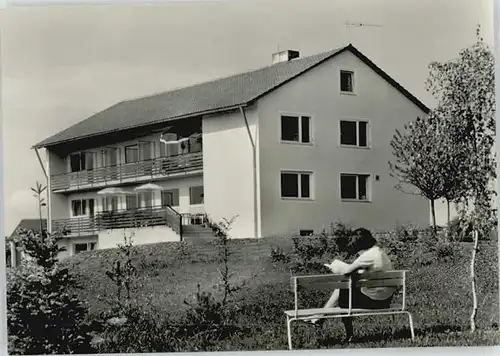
89	166
92	226
91	207
146	156
110	161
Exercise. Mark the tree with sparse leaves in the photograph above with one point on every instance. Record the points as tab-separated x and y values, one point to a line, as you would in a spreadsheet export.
464	89
38	194
423	160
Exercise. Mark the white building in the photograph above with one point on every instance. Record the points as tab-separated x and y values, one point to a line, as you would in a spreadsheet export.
289	149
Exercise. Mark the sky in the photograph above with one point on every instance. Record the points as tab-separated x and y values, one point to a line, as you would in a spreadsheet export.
61	64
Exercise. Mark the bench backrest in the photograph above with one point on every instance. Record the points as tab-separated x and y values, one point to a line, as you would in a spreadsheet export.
330	282
336	281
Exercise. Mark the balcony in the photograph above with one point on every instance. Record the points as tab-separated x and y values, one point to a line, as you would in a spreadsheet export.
120	219
145	170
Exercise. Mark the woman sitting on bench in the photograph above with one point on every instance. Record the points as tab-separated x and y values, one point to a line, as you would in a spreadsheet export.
370	258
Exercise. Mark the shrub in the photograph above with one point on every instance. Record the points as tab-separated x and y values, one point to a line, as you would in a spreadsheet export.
400	244
123	274
126	327
445	250
205	313
310	253
207	319
43	315
408	246
342	234
136	333
457	232
278	255
221	231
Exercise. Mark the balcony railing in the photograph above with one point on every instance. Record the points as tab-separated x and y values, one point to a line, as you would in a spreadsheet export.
194	219
121	219
153	168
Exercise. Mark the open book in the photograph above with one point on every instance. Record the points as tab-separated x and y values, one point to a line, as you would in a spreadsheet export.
337	267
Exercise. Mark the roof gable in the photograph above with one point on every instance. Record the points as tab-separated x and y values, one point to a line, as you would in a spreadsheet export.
28	224
218	95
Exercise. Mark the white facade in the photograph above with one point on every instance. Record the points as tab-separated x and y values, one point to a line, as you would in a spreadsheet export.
317	94
228	170
244	158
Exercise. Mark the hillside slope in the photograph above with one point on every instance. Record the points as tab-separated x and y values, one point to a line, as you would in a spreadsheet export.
438	295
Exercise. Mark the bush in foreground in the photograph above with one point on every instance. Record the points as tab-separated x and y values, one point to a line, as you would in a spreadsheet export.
43	315
407	246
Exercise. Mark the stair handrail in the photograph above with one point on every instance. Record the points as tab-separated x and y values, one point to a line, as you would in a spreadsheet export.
179	216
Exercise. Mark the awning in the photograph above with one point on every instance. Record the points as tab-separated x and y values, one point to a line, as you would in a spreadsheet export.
114	191
148	187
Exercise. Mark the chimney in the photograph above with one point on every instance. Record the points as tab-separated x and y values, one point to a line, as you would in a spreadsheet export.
285	56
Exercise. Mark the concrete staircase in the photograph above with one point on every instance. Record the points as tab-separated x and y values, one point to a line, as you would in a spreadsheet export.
197	234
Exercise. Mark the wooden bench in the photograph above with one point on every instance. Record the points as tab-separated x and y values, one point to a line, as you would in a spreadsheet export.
330	282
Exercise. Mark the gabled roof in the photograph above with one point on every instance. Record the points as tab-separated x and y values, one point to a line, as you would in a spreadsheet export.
218	95
28	224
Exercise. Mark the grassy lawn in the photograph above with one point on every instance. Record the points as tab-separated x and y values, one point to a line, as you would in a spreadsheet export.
438	296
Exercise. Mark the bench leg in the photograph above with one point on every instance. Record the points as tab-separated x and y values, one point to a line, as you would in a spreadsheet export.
289	332
410	319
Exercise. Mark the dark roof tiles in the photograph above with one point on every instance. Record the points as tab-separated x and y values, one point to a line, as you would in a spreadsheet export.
224	93
28	224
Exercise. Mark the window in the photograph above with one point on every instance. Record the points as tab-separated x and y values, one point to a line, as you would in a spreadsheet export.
131	153
81	161
306	232
354	186
145	151
296	129
82	207
146	199
82	247
110	204
196	195
109	156
78	207
346	81
354	133
77	162
170	197
296	185
132	202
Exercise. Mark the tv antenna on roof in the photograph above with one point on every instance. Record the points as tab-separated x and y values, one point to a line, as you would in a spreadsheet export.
349	24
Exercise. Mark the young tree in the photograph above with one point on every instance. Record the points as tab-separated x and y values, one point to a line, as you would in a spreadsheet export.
464	88
423	159
123	274
38	194
451	163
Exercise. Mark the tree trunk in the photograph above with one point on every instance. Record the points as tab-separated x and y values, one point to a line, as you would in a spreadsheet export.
41	220
473	281
433	210
448	225
448	211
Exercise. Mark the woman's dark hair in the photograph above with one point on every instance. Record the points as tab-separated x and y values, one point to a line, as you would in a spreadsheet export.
361	240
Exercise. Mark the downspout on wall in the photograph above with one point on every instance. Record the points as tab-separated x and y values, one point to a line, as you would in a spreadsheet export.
49	220
254	171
